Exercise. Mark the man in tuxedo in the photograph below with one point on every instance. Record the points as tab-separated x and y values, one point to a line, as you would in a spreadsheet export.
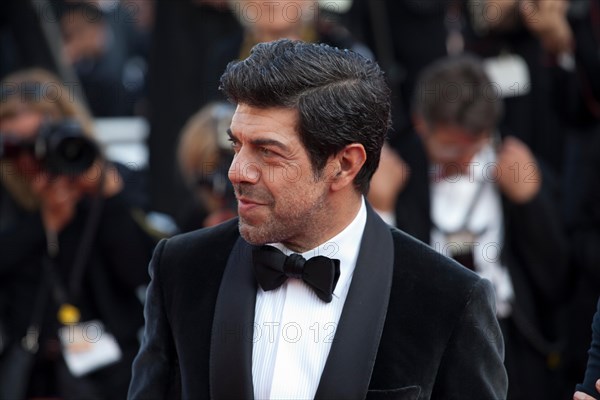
256	308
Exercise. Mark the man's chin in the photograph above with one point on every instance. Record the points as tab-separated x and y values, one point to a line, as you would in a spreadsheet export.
250	233
255	234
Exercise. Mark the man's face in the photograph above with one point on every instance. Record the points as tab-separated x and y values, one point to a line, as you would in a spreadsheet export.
280	198
452	147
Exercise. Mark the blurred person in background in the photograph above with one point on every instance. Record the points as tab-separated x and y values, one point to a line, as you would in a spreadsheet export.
73	245
547	53
522	41
589	389
581	185
182	45
490	205
269	21
405	36
542	56
107	43
204	155
584	234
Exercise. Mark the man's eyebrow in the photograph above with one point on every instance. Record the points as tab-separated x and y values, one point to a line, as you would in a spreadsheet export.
270	142
262	142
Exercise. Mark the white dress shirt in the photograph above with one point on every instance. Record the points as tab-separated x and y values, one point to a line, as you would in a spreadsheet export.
294	329
450	199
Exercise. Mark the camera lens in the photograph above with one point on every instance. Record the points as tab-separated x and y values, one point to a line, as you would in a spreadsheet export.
72	149
68	150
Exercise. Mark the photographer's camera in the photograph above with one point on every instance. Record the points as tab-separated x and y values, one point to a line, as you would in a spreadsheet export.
61	148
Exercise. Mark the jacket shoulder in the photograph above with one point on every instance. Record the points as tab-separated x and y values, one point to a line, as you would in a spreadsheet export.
440	316
430	272
206	237
198	252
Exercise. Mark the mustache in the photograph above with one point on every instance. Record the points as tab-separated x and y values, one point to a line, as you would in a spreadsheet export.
252	193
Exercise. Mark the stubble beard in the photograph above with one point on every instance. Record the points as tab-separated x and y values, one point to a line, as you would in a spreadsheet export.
302	222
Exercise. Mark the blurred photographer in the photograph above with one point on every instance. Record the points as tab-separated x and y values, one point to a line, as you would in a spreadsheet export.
74	250
490	204
204	155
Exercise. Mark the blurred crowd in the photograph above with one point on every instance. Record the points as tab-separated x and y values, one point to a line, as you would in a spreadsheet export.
493	159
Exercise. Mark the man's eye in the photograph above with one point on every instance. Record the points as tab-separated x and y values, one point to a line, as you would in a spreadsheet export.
234	144
266	152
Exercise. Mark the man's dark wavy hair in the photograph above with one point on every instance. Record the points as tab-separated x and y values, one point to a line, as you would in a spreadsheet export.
341	97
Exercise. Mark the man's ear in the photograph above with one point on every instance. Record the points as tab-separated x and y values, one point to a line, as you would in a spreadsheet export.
345	165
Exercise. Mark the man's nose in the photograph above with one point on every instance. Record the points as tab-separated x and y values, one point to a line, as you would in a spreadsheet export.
244	170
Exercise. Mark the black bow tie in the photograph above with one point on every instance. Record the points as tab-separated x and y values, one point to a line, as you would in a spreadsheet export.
272	268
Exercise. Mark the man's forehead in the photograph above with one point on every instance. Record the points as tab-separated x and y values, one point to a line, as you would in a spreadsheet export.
248	119
243	108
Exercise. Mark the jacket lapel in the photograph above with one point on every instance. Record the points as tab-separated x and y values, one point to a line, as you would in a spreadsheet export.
348	368
232	330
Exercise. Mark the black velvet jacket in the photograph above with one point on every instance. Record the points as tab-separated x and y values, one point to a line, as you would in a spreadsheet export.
415	325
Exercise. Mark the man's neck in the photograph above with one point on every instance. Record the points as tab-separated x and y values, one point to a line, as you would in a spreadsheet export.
340	215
